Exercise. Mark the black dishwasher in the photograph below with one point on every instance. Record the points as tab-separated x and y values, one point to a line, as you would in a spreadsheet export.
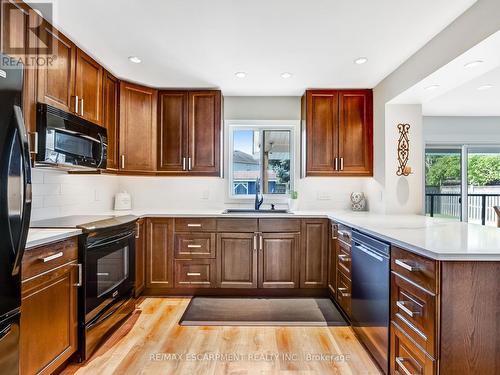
370	295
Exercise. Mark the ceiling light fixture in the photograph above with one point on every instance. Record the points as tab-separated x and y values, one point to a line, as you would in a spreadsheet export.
240	74
432	87
134	59
485	87
473	64
360	60
286	75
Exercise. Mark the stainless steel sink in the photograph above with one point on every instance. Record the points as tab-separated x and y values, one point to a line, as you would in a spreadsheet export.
253	211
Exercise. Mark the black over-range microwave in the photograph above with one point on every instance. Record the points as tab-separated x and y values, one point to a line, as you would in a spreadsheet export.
68	141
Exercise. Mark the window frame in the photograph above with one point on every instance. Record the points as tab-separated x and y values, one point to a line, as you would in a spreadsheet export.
260	125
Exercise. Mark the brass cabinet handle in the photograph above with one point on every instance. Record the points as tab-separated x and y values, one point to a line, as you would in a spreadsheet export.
189	164
407	266
193	274
400	361
194	246
194	225
255	242
341	164
52	257
138	232
401	305
261	242
81	108
77	101
80	275
344	257
123	161
341	290
336	164
183	164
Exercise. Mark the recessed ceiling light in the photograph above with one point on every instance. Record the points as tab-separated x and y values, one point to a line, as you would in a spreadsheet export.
240	74
485	87
361	60
134	59
286	75
432	87
473	64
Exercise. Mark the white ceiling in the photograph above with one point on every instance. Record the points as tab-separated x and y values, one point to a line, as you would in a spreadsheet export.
467	100
458	94
202	43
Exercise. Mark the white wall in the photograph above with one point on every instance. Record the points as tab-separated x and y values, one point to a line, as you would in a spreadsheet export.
57	193
473	26
262	108
449	129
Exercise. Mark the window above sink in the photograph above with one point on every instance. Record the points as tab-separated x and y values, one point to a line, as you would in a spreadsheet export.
260	150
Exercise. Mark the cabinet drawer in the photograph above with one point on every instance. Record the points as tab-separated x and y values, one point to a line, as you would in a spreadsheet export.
279	225
195	245
344	234
418	269
238	225
414	310
344	259
46	258
406	357
195	225
344	292
199	273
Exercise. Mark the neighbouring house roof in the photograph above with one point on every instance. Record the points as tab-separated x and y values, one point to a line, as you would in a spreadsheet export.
243	158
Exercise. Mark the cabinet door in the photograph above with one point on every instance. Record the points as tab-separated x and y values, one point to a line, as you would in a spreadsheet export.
355	132
48	320
110	117
314	257
160	253
172	131
237	256
204	130
89	87
14	19
56	77
137	128
140	257
321	132
279	260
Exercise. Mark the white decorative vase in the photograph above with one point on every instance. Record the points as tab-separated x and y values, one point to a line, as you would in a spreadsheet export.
358	201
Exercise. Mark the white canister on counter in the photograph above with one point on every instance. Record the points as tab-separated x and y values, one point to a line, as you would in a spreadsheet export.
123	201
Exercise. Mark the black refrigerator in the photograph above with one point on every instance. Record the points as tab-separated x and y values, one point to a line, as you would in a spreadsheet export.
15	209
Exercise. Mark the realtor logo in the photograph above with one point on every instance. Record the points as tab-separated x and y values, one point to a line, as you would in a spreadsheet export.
33	48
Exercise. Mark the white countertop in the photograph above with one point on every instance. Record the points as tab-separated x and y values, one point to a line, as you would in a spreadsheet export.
440	239
39	237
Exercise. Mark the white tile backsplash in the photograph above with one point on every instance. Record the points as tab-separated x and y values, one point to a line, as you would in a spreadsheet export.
57	193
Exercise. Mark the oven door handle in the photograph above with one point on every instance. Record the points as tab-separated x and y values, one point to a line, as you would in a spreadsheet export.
113	240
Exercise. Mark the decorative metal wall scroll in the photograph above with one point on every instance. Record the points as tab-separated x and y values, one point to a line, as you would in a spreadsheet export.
403	150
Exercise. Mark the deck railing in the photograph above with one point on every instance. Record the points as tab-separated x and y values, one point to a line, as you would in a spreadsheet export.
480	206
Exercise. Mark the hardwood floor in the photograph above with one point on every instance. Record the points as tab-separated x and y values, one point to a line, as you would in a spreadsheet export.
152	342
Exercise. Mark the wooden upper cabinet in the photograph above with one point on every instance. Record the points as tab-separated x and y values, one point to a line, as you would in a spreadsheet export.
110	117
56	79
160	253
337	132
89	75
321	132
356	132
172	131
137	128
204	129
14	23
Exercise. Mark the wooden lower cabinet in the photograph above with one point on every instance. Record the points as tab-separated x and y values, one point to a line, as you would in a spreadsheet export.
237	260
332	260
279	260
48	317
140	257
195	273
314	257
160	253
